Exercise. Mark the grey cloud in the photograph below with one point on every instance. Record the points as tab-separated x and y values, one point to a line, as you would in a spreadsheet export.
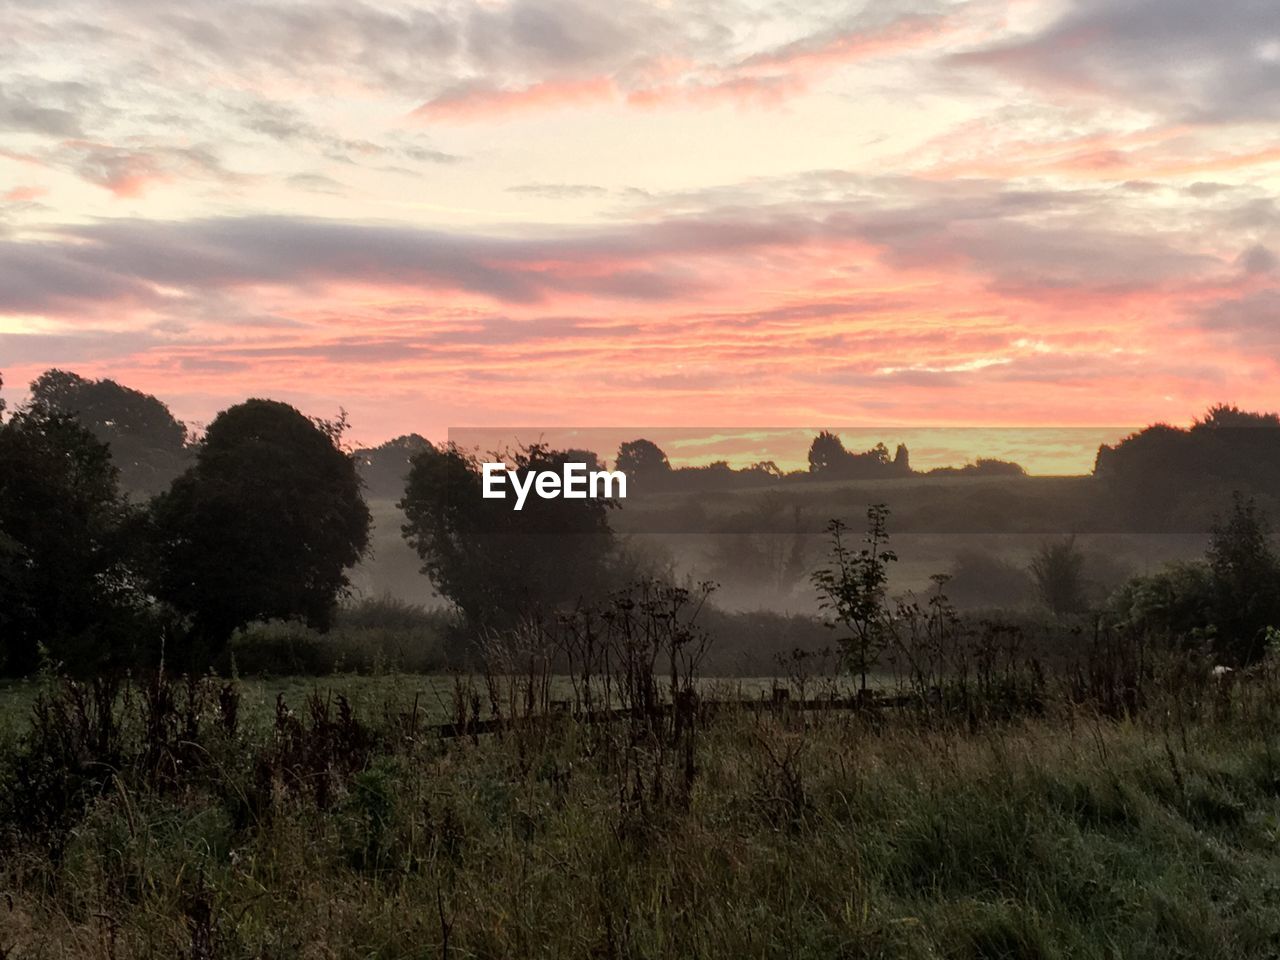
50	277
51	108
1196	60
1022	242
285	123
1249	323
559	34
414	50
33	118
316	182
1258	259
129	257
52	348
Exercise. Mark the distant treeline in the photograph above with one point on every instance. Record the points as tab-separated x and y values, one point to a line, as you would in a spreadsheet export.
1160	469
648	468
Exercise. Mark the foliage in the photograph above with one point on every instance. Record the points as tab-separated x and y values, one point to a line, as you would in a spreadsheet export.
829	460
495	564
769	559
1177	603
981	467
147	443
1166	477
385	468
643	460
367	637
853	589
1058	571
262	527
1246	579
1225	603
67	549
978	579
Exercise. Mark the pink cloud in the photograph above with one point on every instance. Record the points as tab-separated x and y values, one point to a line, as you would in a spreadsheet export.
23	194
763	80
474	102
843	47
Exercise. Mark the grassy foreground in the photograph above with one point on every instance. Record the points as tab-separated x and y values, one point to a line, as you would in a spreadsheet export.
765	835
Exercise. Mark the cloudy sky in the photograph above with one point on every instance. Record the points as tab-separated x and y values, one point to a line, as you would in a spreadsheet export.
730	212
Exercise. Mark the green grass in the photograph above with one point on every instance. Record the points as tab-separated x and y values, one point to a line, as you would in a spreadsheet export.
1066	837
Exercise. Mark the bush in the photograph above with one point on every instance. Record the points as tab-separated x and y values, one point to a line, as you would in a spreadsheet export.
370	636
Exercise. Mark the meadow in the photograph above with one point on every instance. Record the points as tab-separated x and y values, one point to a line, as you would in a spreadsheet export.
1059	824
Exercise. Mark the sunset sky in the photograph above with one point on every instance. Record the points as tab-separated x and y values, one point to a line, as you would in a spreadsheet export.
806	214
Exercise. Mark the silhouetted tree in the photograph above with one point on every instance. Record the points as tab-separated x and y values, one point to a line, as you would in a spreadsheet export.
1246	580
761	550
263	526
1166	477
982	467
1176	604
853	588
497	564
588	457
385	468
827	453
829	459
643	460
147	443
983	580
1228	416
902	459
1058	571
66	541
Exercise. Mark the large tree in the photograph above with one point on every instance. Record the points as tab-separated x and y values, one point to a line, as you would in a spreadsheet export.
1246	579
385	468
67	586
147	443
1169	478
494	563
643	460
263	526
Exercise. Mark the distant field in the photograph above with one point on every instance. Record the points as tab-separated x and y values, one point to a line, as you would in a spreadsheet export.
932	521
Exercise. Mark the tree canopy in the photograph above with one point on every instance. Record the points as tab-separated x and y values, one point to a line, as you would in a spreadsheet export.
829	460
1166	477
494	563
643	460
66	544
385	468
263	526
147	443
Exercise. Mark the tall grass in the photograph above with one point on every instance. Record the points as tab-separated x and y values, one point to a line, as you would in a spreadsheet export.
167	827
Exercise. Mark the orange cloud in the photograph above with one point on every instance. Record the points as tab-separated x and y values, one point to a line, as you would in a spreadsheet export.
764	79
1167	151
837	49
478	102
23	194
746	91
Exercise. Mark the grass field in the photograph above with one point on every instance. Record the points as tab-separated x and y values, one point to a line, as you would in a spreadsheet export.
1121	803
1064	836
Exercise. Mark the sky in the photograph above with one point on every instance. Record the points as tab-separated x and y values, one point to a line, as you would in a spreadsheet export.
979	213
